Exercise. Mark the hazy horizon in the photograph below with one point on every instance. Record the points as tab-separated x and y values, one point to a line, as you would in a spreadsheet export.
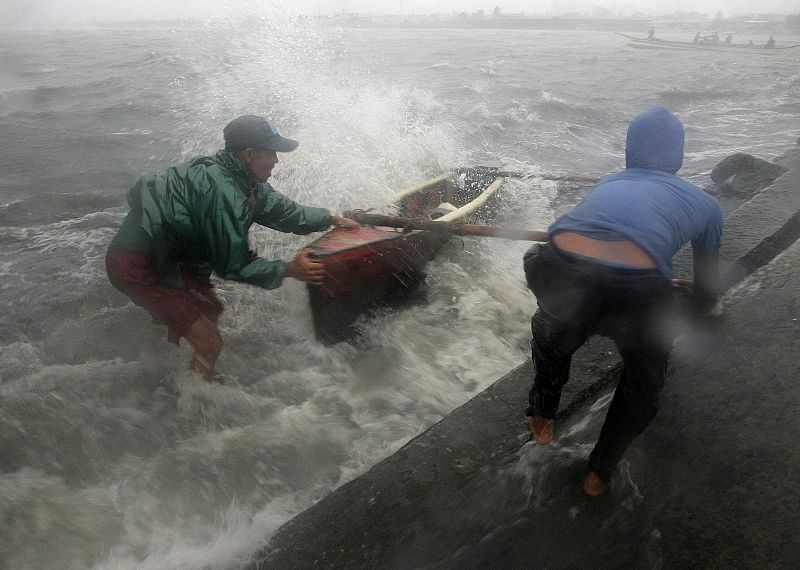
41	13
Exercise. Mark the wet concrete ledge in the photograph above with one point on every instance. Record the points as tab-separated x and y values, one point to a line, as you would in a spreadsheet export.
371	520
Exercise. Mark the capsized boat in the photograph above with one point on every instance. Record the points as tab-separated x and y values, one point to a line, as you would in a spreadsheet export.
739	48
371	267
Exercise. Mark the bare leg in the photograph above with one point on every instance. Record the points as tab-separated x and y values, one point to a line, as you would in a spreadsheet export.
204	338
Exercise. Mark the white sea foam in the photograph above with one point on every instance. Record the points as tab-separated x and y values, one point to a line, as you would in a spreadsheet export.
121	459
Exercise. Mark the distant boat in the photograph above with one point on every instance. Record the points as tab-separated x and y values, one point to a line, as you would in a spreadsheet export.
645	43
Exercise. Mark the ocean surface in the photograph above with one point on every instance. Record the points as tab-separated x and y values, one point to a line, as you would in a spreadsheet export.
111	454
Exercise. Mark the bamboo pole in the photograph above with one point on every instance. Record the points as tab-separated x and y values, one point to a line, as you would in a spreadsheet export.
456	228
553	177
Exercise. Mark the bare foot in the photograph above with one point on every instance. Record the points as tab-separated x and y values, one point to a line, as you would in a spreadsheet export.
593	485
542	429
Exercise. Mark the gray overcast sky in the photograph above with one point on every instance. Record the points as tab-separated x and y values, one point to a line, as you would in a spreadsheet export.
15	13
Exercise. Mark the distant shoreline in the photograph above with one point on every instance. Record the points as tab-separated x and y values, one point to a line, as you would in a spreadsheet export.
776	24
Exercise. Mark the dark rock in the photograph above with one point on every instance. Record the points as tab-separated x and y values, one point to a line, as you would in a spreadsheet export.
746	184
742	162
743	175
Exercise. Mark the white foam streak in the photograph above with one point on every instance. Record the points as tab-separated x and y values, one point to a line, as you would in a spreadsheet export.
121	459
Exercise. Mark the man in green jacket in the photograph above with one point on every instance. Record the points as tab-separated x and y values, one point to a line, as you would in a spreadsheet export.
193	220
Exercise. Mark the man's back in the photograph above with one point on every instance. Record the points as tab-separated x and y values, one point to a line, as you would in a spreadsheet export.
167	206
606	272
656	210
648	204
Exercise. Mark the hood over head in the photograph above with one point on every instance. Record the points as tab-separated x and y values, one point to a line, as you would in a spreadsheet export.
655	141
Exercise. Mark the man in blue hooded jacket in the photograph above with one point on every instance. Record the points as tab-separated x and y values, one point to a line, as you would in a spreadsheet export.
607	271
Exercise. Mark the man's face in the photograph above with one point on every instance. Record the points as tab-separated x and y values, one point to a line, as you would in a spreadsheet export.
259	163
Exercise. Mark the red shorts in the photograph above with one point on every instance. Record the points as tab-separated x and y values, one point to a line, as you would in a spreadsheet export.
135	274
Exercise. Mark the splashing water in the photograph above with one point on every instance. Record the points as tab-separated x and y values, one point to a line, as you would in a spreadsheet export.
113	455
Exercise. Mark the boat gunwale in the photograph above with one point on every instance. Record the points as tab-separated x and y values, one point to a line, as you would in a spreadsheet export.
403	194
391	234
474	204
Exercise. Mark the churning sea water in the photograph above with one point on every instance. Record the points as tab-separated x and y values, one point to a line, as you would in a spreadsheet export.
112	456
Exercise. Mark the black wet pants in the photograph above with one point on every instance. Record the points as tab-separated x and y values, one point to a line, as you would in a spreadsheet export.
579	298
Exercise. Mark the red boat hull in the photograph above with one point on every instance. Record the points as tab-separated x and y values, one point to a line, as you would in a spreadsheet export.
366	268
370	267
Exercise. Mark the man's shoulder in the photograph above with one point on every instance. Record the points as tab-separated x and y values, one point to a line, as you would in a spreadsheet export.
699	198
685	186
681	189
699	194
203	164
706	208
187	168
205	172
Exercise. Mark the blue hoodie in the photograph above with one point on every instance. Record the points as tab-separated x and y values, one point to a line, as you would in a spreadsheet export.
647	203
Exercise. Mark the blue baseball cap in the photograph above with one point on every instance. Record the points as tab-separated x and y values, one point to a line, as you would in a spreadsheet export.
252	131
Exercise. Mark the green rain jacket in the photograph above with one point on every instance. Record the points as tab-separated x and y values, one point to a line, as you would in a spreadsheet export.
198	213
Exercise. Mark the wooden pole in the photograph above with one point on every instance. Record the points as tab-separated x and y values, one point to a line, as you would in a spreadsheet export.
446	227
556	178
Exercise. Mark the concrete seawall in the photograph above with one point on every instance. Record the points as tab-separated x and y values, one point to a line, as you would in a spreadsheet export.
373	520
